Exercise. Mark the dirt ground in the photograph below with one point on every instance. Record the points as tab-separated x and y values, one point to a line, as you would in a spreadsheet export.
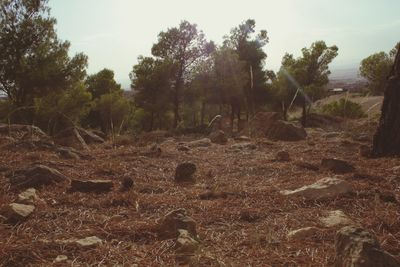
247	228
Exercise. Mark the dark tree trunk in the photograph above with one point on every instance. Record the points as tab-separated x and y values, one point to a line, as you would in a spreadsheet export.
284	110
202	112
304	113
387	137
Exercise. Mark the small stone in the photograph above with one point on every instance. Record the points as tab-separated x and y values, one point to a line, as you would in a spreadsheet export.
303	233
97	186
282	156
322	189
218	137
184	172
15	212
89	241
336	165
60	258
28	196
185	244
336	218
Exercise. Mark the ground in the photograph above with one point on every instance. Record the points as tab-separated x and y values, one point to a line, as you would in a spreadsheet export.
247	228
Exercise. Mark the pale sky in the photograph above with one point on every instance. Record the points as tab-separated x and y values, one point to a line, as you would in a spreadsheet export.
113	33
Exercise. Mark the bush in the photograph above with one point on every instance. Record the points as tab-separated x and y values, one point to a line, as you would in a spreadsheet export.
344	108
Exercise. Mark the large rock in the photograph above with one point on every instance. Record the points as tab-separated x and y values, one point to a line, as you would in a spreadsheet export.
336	218
270	125
218	137
205	142
36	176
171	223
96	186
71	137
19	131
336	165
324	188
356	247
184	173
15	212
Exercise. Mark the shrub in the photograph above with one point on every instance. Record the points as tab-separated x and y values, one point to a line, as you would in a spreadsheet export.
344	108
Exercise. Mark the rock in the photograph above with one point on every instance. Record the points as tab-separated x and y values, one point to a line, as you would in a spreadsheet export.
90	137
60	258
184	173
126	184
183	148
336	165
15	212
242	138
68	153
355	247
28	196
71	137
96	186
205	142
186	244
244	146
36	176
324	188
331	135
285	131
218	137
303	233
19	131
175	220
336	218
153	150
282	156
91	241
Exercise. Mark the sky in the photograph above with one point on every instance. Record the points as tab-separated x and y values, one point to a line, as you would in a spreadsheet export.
113	33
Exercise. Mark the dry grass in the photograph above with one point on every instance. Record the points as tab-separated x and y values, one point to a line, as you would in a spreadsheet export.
246	228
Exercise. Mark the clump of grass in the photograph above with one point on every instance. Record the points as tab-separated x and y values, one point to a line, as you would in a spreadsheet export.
344	108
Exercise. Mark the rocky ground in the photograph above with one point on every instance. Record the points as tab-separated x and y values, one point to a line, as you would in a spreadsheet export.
241	206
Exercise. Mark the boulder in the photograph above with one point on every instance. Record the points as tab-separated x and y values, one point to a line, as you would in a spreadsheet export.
91	241
336	218
96	186
244	146
285	131
282	156
303	233
324	188
20	131
16	212
35	176
205	142
71	137
169	226
184	173
218	137
336	165
355	247
28	196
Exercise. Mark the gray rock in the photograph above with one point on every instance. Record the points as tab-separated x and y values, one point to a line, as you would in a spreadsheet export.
15	212
96	186
324	188
91	241
218	137
28	196
356	247
337	166
36	176
185	243
336	218
184	173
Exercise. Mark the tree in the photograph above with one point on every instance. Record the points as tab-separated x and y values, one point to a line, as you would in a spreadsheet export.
387	139
376	69
151	81
309	73
249	47
33	61
184	46
102	83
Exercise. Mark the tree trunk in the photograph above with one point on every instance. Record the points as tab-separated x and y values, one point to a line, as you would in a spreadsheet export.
202	112
387	137
304	113
284	110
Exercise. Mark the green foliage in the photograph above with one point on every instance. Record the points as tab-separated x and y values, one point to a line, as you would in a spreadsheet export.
58	110
344	108
33	61
376	69
102	83
114	110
